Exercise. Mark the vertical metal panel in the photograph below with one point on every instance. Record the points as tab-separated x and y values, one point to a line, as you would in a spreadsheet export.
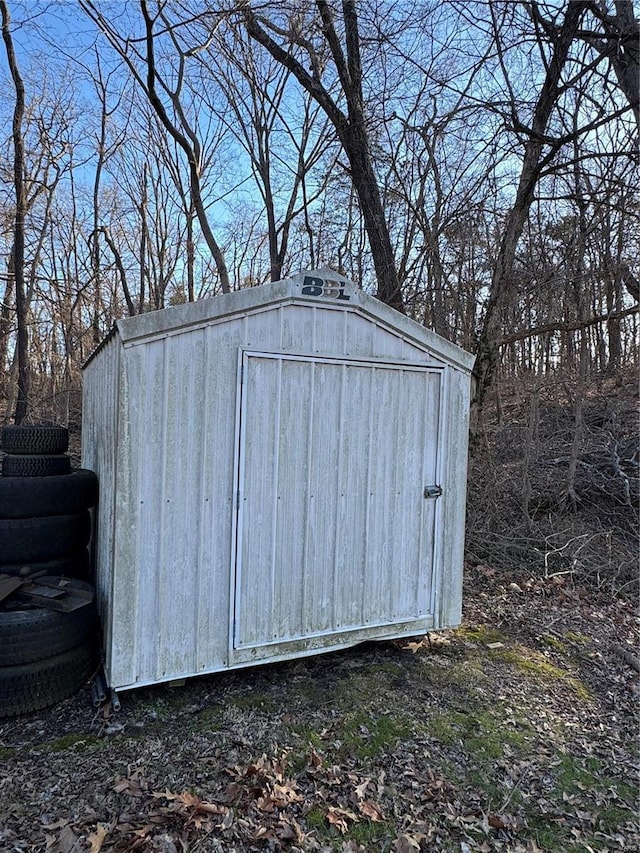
333	446
334	524
174	588
297	333
100	409
330	332
450	531
362	336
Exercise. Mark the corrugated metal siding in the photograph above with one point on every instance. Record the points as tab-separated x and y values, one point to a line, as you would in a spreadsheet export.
100	415
335	533
450	528
171	565
178	505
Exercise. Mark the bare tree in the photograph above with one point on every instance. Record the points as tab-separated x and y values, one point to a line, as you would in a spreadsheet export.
350	126
179	128
17	253
104	150
282	153
618	40
539	151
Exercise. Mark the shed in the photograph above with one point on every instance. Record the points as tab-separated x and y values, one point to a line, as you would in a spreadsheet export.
282	471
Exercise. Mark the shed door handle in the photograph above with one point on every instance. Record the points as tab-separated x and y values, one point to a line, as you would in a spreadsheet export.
432	491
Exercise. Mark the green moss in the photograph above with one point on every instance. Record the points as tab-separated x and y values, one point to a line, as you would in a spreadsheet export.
570	775
574	637
209	719
75	741
481	634
530	661
304	739
554	836
316	818
372	836
482	734
249	701
308	689
467	674
554	643
610	818
306	734
153	705
365	736
551	836
575	774
610	801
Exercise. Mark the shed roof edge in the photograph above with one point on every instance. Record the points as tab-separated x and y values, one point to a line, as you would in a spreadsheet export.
155	323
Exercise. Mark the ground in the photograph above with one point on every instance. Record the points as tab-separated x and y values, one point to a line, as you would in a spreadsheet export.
516	732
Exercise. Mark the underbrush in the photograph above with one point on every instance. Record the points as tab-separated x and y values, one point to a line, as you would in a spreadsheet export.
554	483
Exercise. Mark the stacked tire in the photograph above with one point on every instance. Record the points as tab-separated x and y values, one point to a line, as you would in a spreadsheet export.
45	520
46	654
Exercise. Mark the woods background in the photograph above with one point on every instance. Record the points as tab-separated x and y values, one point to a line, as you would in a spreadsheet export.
474	164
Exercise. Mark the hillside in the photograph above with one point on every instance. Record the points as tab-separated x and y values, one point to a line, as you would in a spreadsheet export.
515	732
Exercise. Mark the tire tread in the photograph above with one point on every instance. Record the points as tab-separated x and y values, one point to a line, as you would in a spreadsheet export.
34	439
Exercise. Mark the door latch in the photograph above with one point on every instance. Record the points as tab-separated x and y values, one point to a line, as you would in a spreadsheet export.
432	491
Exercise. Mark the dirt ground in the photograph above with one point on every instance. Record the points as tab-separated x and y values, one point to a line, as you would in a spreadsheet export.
516	732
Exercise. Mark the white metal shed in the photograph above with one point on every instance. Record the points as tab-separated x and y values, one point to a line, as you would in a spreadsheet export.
270	465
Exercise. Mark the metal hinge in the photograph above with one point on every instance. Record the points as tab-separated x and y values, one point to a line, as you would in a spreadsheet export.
432	491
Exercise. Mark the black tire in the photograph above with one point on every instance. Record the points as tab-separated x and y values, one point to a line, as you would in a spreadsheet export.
35	466
35	438
76	566
32	497
32	686
29	634
23	540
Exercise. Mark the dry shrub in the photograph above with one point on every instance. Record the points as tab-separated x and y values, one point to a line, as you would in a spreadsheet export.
554	482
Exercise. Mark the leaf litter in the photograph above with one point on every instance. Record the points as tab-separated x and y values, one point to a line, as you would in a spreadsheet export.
517	732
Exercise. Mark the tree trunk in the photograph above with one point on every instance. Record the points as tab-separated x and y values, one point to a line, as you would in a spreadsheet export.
192	158
351	130
503	287
22	343
5	329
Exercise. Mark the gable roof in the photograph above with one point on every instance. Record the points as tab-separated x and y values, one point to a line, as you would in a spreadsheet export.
321	287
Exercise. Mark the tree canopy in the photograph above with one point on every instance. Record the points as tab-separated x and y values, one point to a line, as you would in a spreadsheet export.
474	164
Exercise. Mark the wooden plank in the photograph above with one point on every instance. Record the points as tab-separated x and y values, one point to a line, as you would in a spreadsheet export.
54	593
8	585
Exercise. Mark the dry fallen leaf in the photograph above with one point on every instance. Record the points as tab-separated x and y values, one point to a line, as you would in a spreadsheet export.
338	817
97	838
314	759
360	789
67	840
406	843
286	793
59	824
128	786
415	647
371	811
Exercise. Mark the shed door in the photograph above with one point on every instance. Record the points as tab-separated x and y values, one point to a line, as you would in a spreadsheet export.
333	531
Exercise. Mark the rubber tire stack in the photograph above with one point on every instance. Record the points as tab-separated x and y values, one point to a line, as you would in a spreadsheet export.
45	523
45	526
45	655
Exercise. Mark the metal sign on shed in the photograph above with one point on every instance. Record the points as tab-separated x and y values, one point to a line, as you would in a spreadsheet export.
282	471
